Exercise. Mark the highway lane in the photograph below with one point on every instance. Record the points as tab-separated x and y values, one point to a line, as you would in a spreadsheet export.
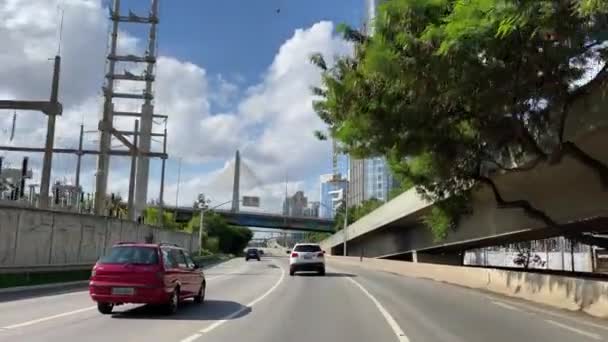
432	311
259	301
225	295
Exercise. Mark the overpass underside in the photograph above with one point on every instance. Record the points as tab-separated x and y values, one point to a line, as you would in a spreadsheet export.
403	242
570	193
303	224
263	220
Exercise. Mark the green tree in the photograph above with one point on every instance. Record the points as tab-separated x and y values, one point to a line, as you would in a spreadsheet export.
229	239
316	237
452	90
150	216
355	212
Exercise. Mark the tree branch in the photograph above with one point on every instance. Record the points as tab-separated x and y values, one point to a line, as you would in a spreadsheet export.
529	166
519	204
597	82
528	140
595	43
570	148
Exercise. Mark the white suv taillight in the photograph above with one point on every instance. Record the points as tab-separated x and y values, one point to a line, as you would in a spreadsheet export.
320	255
294	255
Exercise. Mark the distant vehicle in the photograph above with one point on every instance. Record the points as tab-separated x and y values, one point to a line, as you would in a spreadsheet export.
252	253
307	257
144	273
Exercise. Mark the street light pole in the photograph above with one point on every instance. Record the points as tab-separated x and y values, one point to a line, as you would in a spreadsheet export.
200	232
204	206
203	203
345	229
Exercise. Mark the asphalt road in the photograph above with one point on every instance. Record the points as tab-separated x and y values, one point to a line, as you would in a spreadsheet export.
259	301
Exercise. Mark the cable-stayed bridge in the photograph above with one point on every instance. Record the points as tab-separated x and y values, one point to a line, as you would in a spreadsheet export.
237	179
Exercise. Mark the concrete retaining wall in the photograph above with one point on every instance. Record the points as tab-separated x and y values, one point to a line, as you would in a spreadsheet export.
32	237
589	296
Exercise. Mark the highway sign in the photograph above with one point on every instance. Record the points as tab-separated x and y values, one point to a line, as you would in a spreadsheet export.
251	201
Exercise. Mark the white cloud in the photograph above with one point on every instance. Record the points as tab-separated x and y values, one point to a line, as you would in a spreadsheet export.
272	122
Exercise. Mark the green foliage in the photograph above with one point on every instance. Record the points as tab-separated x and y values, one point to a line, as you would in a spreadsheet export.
151	217
592	7
444	215
212	244
439	221
316	237
356	212
219	236
450	89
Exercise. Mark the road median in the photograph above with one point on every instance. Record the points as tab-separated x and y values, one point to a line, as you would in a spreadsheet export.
570	293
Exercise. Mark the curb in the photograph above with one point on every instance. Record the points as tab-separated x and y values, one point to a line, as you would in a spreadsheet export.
17	289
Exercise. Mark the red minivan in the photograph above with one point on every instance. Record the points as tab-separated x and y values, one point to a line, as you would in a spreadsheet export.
144	273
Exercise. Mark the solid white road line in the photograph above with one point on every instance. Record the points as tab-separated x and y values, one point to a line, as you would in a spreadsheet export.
578	331
246	307
401	337
192	338
238	312
69	313
44	319
506	306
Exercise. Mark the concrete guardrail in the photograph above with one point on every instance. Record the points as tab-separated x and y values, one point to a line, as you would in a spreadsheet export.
45	268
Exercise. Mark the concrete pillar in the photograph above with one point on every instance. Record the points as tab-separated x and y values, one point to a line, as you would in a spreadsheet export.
237	180
414	256
143	160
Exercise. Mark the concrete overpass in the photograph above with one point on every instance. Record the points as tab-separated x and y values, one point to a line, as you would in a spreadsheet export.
262	220
568	192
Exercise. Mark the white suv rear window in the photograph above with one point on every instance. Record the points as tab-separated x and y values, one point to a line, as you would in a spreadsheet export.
307	248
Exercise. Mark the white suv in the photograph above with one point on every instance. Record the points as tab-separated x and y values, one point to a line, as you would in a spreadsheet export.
307	257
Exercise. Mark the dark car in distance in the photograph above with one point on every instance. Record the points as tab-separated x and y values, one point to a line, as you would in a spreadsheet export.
146	273
252	253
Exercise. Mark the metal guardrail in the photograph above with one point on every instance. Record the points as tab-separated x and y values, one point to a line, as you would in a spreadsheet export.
44	268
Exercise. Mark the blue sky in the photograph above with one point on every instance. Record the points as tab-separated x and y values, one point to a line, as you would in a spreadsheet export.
239	38
232	74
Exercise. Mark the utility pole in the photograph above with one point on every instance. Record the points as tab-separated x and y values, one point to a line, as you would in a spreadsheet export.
79	158
23	176
179	175
161	196
47	162
132	182
147	114
105	125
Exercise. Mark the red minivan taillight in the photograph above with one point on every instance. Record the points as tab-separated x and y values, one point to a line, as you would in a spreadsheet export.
294	255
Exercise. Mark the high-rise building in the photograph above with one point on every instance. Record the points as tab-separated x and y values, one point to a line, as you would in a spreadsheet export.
295	205
370	8
329	191
370	178
312	210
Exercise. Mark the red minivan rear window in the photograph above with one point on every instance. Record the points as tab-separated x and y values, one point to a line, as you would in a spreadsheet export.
131	255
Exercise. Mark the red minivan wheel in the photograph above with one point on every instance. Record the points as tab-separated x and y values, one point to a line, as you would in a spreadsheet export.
105	308
173	304
200	297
